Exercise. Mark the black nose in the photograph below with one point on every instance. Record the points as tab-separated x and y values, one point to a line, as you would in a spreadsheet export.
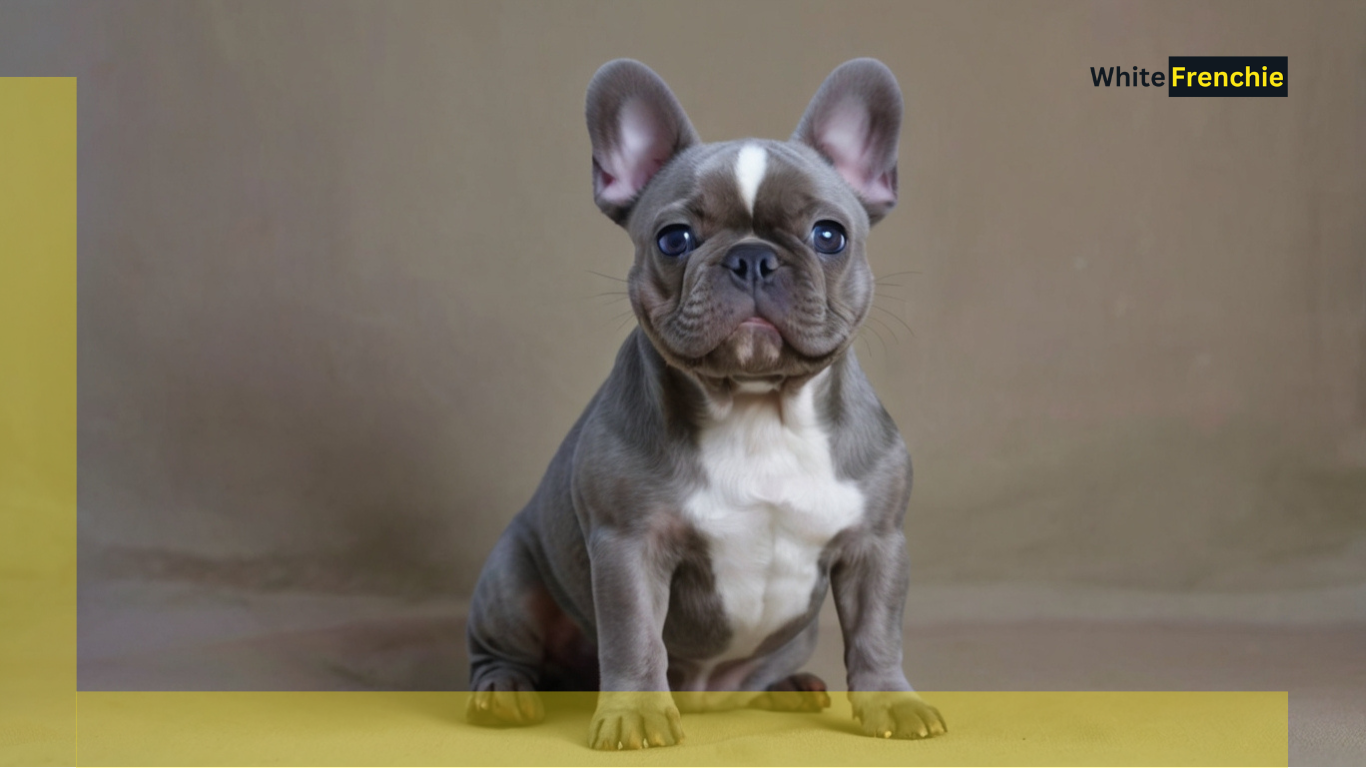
751	264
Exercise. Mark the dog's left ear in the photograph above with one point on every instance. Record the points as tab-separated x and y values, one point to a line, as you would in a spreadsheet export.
854	121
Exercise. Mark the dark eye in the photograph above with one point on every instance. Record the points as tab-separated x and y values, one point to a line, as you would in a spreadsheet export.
676	240
827	237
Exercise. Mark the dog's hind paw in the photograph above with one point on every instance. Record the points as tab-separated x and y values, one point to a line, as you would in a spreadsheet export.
802	692
504	700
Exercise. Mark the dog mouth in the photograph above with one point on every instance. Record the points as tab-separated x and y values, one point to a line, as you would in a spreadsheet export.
758	322
759	332
755	346
738	340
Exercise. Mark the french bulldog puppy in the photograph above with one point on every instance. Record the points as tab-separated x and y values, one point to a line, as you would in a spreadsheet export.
736	464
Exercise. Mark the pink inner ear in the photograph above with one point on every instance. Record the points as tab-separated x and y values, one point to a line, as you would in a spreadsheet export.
879	190
643	144
844	138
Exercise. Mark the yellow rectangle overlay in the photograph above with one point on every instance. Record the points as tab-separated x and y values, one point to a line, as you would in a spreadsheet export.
38	421
429	729
38	699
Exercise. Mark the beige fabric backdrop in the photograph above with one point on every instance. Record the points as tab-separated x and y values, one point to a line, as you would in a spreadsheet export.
337	306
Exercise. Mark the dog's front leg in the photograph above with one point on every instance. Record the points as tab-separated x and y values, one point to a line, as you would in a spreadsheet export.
869	584
630	599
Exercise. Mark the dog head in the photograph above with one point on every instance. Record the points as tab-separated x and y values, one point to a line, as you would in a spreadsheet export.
750	266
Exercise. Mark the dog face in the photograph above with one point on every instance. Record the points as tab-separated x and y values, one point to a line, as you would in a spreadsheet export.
750	265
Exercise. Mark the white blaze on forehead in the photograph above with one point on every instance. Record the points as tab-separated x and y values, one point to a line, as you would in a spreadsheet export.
750	165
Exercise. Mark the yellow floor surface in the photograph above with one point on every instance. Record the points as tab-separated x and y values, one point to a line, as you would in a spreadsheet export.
428	729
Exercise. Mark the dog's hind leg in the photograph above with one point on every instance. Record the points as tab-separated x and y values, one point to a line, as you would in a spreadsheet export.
786	689
507	637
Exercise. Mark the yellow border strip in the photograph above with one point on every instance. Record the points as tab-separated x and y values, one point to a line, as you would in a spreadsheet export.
429	729
38	421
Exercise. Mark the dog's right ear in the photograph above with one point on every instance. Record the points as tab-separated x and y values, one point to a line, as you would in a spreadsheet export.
636	126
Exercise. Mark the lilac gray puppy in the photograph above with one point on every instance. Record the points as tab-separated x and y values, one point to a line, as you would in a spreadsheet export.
736	465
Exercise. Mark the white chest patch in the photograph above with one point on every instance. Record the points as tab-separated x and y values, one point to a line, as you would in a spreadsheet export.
770	503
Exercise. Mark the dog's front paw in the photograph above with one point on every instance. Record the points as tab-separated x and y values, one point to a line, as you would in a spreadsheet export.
900	715
635	721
